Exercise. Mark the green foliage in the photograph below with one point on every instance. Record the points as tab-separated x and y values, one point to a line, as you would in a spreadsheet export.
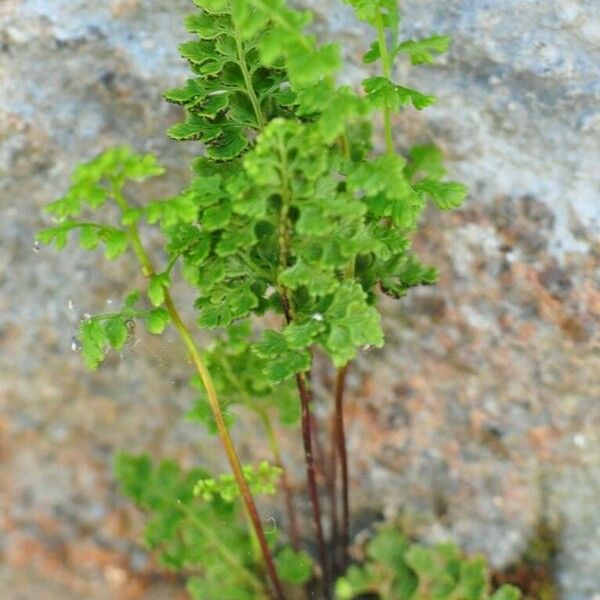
239	375
262	480
91	235
426	170
243	56
398	570
156	288
157	320
291	225
98	334
372	11
91	181
187	531
92	184
382	93
422	52
294	567
298	213
284	41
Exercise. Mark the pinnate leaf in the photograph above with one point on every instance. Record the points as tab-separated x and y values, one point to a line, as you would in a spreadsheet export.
446	195
402	272
179	209
381	92
284	360
352	322
422	52
285	40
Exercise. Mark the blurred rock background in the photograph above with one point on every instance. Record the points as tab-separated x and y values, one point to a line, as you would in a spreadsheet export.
480	420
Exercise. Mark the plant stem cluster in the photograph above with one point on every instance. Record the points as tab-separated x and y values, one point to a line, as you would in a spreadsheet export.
292	212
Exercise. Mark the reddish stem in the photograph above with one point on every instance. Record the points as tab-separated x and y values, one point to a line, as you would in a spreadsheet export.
310	471
332	487
340	386
308	453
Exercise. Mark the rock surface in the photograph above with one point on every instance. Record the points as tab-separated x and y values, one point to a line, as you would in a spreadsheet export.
481	417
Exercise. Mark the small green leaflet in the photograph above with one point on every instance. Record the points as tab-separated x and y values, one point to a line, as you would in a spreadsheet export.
284	360
156	288
381	92
506	592
173	211
262	479
93	339
425	160
90	237
294	567
352	324
387	192
96	335
157	320
116	332
284	40
116	244
402	272
368	10
100	333
446	195
422	52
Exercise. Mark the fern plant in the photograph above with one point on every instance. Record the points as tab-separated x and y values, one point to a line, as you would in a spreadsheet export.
395	569
293	217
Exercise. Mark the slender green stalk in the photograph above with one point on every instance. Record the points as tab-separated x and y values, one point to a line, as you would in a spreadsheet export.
227	442
247	78
207	381
263	414
387	71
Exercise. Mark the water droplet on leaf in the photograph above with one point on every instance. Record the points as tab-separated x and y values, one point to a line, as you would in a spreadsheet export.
272	521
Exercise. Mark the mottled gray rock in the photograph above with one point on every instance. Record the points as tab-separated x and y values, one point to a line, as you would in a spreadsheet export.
481	417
